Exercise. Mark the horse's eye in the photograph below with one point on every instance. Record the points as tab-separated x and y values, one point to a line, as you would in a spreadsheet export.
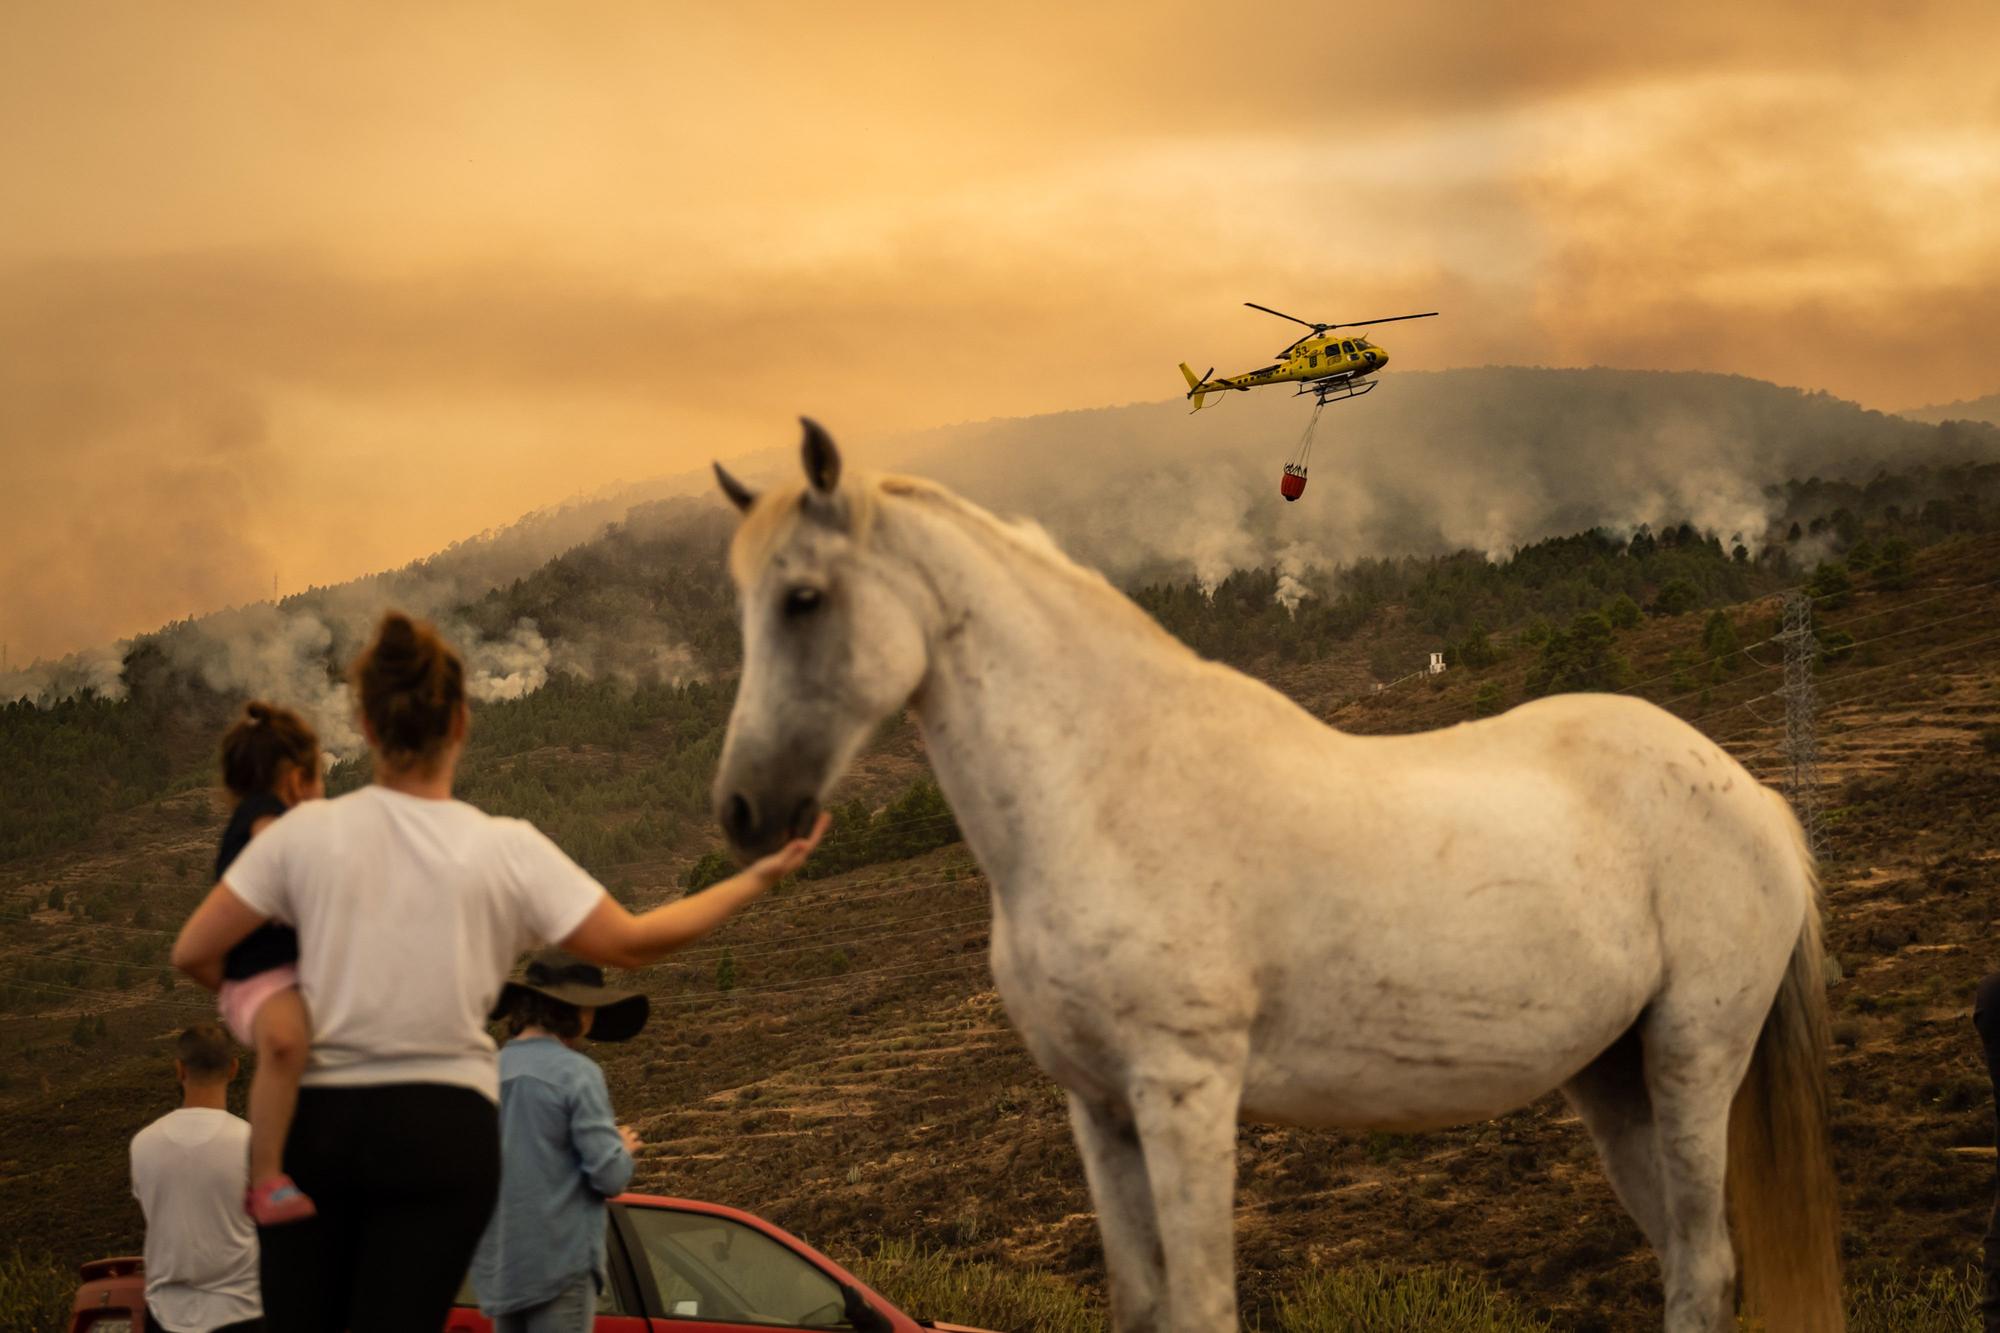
803	601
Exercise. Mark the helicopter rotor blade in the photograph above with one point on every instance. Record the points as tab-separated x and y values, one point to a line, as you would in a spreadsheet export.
1316	328
1357	323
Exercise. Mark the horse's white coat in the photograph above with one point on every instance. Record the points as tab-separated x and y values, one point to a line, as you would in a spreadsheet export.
1209	906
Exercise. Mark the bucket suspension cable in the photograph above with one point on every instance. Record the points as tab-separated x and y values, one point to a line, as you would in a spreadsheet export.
1293	483
1302	455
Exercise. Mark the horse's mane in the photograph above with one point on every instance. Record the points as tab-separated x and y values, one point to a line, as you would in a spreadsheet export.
1028	540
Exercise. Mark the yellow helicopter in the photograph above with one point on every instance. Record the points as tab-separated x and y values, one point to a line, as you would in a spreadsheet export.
1320	362
1326	367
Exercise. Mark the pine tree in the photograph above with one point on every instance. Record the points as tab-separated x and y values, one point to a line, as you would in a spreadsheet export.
1718	640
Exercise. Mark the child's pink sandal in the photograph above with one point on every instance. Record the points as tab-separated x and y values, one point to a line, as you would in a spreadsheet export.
278	1201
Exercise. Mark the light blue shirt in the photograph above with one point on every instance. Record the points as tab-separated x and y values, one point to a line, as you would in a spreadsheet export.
560	1159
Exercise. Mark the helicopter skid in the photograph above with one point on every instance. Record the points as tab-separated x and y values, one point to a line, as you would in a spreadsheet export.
1327	391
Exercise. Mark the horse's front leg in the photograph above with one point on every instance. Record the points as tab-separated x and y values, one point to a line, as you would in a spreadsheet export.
1115	1166
1186	1114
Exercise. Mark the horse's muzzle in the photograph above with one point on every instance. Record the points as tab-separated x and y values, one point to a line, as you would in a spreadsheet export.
757	827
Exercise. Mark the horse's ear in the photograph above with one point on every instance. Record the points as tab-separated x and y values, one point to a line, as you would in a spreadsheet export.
739	495
822	460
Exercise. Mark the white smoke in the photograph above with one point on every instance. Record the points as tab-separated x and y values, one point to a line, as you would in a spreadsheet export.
507	668
1294	561
294	652
94	670
1487	460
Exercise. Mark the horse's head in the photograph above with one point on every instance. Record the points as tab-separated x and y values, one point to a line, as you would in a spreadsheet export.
832	644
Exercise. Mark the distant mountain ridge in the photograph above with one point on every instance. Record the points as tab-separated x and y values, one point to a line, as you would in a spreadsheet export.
1487	459
1985	409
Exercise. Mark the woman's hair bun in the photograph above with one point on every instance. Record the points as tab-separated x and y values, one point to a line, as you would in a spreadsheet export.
411	686
399	646
256	711
397	632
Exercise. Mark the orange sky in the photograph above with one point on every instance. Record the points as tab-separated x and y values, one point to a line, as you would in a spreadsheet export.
313	289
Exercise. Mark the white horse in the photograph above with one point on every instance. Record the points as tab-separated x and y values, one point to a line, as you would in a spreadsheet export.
1208	906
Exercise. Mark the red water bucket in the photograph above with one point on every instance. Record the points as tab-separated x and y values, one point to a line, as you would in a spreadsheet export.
1293	484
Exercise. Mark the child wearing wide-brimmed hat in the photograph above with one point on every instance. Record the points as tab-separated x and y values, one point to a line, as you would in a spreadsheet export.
540	1265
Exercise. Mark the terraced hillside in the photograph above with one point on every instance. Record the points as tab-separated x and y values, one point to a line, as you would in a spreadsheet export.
837	1060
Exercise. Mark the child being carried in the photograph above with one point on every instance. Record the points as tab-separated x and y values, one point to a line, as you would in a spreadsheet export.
270	762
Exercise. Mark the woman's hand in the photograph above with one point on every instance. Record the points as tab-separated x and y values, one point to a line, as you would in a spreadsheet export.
630	1137
613	937
792	855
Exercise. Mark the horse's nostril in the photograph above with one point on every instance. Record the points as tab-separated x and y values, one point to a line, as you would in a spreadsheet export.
803	816
738	819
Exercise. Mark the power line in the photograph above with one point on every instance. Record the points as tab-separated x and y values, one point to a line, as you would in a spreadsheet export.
867	934
1903	664
905	971
189	1005
909	824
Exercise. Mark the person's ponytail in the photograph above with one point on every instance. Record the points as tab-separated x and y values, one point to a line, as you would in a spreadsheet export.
263	741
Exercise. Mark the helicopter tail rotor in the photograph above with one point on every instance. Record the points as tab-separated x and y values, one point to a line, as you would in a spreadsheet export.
1197	385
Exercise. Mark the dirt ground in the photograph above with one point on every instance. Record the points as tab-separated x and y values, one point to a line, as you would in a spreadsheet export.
860	1081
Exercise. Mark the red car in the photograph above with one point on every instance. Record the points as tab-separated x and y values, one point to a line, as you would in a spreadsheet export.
677	1266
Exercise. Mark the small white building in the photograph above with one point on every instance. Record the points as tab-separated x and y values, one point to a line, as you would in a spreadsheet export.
1436	667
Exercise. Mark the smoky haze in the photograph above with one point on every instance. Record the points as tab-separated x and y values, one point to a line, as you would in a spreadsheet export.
307	291
1431	462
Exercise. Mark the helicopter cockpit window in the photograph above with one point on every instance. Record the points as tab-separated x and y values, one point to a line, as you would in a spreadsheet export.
1347	346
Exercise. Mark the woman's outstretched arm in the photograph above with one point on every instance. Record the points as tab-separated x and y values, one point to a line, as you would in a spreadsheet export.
216	927
613	937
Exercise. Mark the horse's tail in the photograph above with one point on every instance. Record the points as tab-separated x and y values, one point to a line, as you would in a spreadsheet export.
1781	1186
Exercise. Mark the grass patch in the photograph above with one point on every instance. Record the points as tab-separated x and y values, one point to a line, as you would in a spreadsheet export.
35	1294
1368	1298
1935	1302
1372	1298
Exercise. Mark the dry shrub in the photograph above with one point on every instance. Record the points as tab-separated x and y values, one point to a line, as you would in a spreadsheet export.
931	1284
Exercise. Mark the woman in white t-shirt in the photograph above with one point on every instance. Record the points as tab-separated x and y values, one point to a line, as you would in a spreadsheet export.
411	908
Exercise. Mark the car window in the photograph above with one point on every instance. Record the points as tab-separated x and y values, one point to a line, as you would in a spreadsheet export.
607	1298
710	1268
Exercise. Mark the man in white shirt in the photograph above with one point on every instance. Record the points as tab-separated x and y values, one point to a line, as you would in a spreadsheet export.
190	1169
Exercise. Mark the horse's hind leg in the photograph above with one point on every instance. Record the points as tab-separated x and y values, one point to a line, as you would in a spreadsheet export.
1610	1097
1115	1166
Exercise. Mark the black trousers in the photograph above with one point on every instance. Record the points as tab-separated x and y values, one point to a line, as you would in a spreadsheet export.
1986	1015
404	1177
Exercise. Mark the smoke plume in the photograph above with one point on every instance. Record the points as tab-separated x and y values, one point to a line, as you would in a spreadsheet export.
1486	459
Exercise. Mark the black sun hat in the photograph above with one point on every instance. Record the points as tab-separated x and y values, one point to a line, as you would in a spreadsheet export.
569	980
